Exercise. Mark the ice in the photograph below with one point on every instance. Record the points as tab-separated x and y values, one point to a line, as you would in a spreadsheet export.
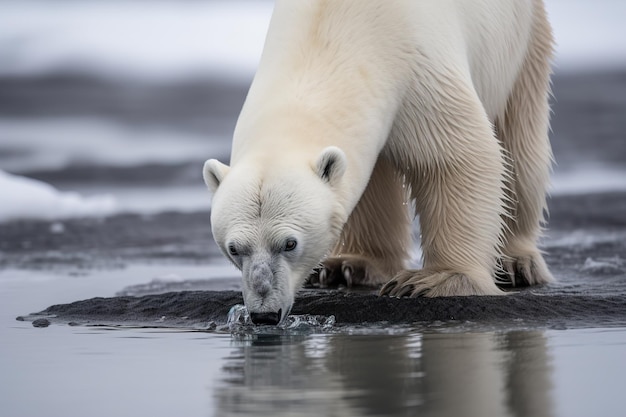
604	266
26	198
582	239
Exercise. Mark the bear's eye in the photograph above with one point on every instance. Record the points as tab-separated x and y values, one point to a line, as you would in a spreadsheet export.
290	245
232	250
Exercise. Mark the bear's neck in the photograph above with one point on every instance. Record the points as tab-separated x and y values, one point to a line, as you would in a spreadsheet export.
314	90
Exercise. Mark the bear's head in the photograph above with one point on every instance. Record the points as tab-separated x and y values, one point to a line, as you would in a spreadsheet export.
276	220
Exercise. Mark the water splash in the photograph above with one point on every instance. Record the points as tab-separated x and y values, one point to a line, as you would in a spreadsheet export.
238	316
239	322
309	322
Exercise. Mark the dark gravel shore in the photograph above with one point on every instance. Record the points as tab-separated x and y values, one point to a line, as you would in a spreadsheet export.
204	309
585	250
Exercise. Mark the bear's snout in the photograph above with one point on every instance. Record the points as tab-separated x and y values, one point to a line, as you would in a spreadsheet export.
261	279
266	318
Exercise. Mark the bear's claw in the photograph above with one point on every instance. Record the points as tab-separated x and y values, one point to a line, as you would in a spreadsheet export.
345	271
432	283
523	271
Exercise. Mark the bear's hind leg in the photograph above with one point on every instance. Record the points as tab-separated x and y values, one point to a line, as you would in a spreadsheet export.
524	134
374	243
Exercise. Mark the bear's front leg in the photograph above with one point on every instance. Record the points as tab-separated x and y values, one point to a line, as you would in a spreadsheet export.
374	242
458	187
460	210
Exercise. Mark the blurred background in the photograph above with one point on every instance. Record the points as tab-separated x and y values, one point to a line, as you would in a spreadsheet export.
111	106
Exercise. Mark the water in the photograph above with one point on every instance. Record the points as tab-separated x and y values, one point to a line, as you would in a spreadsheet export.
500	373
309	366
444	371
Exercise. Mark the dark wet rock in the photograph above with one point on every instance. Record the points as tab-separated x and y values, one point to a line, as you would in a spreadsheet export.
108	242
41	323
194	309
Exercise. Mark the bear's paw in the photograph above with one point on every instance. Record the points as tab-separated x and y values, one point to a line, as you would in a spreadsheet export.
433	283
348	271
523	270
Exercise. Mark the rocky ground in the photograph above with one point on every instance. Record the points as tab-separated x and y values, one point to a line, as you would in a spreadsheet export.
585	245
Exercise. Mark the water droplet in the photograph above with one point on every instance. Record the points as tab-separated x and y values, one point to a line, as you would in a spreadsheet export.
238	316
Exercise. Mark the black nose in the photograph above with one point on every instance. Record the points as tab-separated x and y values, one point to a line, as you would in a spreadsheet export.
266	318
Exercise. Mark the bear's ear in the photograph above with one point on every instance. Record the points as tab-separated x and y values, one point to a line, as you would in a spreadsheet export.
214	172
331	165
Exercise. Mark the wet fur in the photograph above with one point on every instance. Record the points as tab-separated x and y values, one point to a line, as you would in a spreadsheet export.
479	190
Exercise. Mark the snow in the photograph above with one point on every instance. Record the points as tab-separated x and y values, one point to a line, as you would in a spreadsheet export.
26	198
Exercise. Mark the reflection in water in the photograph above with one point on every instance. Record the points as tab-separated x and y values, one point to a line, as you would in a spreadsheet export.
443	374
486	374
528	384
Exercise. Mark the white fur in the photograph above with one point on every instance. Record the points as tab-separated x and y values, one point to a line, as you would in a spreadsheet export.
402	95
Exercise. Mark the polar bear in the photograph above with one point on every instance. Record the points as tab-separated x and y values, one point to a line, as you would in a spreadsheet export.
362	110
